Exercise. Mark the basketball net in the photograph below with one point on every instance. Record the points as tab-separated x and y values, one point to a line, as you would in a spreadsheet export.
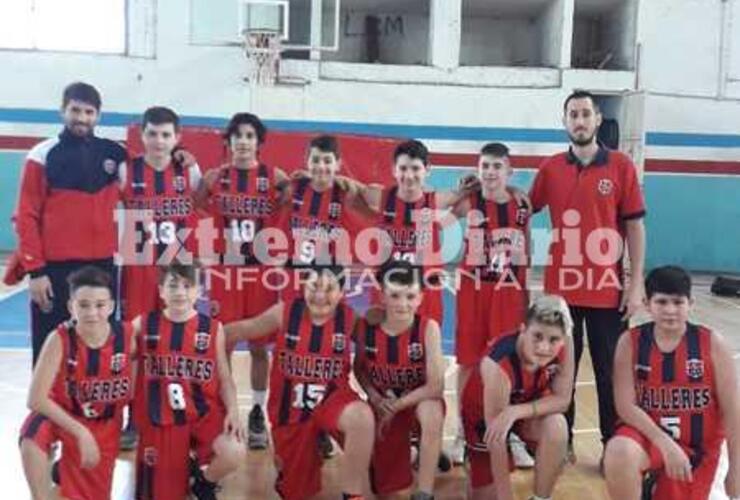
262	50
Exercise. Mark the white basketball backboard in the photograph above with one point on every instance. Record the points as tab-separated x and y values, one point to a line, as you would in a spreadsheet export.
311	25
263	15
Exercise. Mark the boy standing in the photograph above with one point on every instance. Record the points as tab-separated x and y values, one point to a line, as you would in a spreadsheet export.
157	192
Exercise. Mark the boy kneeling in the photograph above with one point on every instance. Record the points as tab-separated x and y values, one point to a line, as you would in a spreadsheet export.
676	392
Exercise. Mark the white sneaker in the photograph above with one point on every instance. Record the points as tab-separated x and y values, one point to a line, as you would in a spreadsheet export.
522	458
456	452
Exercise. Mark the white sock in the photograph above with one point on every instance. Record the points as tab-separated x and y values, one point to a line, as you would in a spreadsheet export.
259	398
535	497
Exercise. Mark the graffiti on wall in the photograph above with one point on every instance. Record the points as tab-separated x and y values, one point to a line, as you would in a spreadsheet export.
361	24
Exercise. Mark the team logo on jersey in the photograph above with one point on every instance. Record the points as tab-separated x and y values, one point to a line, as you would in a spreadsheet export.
695	368
551	370
117	361
202	341
262	184
338	342
426	215
150	456
178	182
109	166
605	186
415	351
215	307
521	216
334	209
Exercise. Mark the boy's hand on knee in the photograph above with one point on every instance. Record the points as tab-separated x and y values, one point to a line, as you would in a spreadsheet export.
676	462
497	430
232	427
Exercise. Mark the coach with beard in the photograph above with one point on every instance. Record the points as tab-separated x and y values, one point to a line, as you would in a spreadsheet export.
596	211
64	217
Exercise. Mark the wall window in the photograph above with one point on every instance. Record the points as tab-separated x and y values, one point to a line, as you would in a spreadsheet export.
511	33
69	25
383	31
604	34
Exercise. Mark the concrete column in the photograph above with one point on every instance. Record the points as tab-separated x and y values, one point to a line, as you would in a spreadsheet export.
316	28
568	9
445	27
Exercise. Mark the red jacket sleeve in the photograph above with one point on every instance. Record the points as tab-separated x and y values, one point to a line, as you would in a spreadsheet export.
29	213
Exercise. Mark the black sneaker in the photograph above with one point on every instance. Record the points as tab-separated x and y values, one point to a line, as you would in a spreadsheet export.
648	485
257	431
128	440
420	495
326	447
200	487
570	455
55	473
444	464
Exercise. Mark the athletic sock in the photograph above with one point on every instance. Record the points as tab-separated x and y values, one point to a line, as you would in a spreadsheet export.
259	398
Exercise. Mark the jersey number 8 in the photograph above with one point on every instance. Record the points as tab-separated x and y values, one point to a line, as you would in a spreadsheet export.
176	396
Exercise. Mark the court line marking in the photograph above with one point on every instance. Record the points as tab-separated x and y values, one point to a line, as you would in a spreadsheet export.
582	383
6	387
586	431
13	293
724	301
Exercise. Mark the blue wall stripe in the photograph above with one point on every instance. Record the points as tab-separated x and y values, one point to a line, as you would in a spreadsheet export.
512	134
693	140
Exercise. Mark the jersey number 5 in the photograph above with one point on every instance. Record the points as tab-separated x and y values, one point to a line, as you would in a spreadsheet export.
672	425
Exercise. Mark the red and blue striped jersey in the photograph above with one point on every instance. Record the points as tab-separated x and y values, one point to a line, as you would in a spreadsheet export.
317	222
395	363
412	227
677	389
94	383
526	385
244	202
496	240
310	362
167	197
177	374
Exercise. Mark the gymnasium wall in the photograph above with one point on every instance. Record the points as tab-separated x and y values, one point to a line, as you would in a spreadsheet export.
692	133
